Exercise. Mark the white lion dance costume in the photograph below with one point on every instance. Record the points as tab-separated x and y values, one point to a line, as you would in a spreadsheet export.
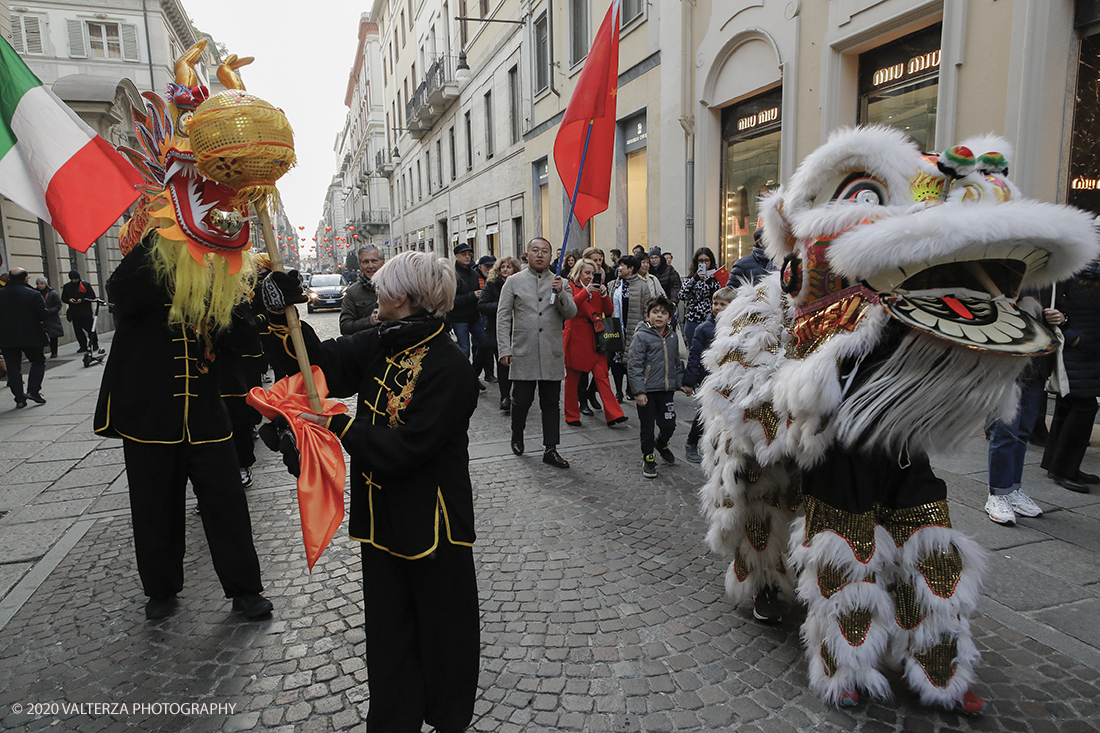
890	331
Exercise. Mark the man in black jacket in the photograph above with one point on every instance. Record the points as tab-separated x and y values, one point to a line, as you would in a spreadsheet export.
464	318
79	296
753	267
22	313
357	312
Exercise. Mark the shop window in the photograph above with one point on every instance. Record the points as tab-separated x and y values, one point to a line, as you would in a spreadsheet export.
750	168
635	138
898	84
1084	160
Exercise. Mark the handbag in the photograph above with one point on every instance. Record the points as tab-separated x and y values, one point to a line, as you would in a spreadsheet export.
609	335
1058	383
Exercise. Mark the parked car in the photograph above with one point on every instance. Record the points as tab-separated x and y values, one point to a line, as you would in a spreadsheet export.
325	291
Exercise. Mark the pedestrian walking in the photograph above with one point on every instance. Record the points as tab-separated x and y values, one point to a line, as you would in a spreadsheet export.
530	318
655	374
79	296
696	292
357	310
1071	427
582	348
412	508
696	371
754	266
487	306
50	297
629	294
464	318
22	333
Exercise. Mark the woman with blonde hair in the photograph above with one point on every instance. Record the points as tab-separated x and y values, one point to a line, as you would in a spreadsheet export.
504	268
582	351
409	468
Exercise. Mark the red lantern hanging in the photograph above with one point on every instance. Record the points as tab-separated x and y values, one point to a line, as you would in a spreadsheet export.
351	229
328	229
302	228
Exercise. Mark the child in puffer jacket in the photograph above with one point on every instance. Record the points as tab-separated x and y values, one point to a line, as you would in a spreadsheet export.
696	372
655	373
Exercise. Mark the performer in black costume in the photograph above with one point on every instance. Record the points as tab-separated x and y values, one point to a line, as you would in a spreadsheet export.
160	394
411	497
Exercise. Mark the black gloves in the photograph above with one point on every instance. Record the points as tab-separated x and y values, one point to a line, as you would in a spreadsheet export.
278	437
280	290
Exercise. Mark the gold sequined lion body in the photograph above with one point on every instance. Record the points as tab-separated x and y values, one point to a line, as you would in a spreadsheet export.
890	331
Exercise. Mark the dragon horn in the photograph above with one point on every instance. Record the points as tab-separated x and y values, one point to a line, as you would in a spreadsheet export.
227	72
185	65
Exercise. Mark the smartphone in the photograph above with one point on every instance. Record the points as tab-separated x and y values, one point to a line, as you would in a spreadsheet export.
597	279
702	268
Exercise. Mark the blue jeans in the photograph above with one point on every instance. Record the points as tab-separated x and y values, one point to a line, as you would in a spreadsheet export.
689	332
1008	440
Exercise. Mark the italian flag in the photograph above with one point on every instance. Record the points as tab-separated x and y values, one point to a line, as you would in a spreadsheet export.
54	165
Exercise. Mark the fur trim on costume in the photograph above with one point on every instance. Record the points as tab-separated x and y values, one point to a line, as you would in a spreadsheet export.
890	410
838	664
945	617
958	232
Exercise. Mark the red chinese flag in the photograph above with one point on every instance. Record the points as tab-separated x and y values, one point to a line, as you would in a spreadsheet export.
592	103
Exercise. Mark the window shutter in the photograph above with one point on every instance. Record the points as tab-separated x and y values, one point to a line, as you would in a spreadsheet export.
130	42
32	34
17	34
77	45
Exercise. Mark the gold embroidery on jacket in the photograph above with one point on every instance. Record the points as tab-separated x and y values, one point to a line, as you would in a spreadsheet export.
411	366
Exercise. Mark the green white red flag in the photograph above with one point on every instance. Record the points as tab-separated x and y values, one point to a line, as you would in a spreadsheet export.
54	165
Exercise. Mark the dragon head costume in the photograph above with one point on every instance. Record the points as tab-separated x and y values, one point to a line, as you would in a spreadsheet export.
204	160
892	329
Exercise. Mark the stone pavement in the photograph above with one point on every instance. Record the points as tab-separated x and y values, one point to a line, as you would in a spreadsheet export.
602	609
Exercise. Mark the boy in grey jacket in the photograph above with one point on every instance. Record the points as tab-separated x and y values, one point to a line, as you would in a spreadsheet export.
655	373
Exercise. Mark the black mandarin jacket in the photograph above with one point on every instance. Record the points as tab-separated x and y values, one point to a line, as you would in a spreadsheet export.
408	442
160	384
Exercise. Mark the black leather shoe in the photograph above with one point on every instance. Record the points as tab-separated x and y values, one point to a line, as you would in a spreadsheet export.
517	446
616	421
38	398
574	423
586	410
1085	478
157	608
20	404
553	458
1067	483
252	605
506	405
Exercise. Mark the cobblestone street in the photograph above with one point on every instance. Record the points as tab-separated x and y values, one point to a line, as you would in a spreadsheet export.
602	609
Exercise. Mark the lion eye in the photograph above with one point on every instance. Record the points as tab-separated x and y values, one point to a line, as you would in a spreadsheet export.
868	197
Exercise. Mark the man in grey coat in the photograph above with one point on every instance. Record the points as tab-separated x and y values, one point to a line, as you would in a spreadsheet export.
357	312
530	316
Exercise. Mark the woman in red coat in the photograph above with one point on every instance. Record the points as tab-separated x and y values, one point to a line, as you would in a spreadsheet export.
579	339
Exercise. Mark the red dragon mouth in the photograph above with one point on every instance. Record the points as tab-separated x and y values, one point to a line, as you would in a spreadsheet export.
204	208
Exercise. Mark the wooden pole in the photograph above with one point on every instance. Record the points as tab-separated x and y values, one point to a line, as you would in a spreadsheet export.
291	312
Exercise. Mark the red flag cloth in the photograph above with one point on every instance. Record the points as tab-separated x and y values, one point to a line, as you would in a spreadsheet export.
321	480
722	275
592	102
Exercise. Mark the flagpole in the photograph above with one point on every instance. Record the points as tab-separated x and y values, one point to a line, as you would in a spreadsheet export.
573	203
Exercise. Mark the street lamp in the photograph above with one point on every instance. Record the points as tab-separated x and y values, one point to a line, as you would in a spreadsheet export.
462	71
396	155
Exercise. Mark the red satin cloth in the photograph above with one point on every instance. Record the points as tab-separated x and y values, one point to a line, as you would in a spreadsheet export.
321	481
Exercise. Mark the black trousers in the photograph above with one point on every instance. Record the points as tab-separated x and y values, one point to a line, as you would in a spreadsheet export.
423	639
158	474
13	358
862	482
1070	431
695	433
523	395
84	333
243	418
503	381
659	412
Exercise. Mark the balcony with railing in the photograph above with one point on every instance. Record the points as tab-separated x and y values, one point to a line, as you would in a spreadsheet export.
383	164
372	222
431	98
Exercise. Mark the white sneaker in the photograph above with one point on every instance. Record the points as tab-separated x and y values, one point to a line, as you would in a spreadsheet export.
1023	505
1000	510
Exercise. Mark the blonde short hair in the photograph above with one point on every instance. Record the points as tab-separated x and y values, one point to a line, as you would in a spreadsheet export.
429	283
578	268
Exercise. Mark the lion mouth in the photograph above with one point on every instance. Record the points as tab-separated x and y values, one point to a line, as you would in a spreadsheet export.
970	301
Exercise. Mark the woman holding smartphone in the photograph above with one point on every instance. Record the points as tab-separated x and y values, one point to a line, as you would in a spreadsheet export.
697	290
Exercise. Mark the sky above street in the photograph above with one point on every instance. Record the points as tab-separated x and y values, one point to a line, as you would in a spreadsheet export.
304	53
